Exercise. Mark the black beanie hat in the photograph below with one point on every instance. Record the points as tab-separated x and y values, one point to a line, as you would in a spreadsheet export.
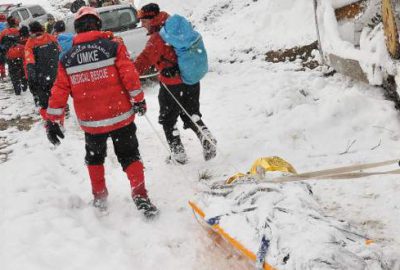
24	31
59	26
149	11
35	27
12	22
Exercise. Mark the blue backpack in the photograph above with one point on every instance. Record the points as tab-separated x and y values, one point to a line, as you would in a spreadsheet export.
189	48
65	40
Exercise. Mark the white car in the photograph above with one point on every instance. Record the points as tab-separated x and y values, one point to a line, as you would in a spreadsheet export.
26	13
123	22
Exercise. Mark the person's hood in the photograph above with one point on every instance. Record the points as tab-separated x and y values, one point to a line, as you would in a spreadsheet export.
158	21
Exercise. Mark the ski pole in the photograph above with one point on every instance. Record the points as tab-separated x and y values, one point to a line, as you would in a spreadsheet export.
198	127
155	131
159	138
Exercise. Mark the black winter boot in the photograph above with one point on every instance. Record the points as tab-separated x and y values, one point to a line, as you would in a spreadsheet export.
178	153
145	206
209	144
207	140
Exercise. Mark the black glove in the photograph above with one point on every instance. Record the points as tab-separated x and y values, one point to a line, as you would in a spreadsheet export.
140	107
53	131
32	76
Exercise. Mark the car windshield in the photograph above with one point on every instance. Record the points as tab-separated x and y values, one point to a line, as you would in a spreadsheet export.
118	19
4	8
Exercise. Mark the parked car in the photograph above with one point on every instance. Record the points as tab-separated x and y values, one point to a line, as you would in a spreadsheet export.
360	38
5	7
25	13
123	22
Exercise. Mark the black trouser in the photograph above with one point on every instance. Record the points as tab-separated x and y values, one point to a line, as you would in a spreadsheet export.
17	75
33	88
189	97
125	146
41	92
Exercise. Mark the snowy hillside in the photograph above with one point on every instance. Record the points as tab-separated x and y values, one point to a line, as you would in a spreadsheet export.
254	108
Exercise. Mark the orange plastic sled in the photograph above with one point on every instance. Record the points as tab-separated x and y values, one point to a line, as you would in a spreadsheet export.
232	241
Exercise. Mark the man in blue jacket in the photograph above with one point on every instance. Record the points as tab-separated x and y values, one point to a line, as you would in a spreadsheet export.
63	38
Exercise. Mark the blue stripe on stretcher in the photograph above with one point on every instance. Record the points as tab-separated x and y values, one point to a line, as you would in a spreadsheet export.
213	221
262	252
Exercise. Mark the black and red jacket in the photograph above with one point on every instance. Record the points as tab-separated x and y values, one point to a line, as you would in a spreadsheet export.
102	80
157	53
41	51
10	40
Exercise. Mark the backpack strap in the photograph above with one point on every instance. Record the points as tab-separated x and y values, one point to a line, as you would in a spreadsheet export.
172	71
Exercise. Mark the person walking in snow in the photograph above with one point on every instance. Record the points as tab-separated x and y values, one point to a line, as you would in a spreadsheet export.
63	38
3	25
106	90
16	61
11	41
159	54
41	58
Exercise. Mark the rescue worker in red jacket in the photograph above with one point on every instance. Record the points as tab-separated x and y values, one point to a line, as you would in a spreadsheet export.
106	91
24	35
41	59
159	54
11	41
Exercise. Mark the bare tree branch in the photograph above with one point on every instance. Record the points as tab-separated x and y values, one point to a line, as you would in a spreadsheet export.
348	148
376	146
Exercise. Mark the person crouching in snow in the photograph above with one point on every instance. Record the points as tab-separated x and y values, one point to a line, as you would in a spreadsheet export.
41	59
105	88
161	55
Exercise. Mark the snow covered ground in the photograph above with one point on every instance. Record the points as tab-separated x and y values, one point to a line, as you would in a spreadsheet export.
254	109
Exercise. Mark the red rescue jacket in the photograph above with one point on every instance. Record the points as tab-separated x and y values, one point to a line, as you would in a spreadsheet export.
157	53
37	41
42	50
102	80
18	51
13	51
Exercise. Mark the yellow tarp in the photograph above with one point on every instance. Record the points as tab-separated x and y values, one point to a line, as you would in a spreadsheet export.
262	165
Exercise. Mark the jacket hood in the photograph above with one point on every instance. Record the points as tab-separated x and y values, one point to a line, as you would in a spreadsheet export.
158	21
90	36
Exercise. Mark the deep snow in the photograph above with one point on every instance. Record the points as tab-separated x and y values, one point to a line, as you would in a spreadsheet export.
254	109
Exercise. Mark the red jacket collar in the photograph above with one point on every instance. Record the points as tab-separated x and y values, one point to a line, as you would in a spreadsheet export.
90	36
158	22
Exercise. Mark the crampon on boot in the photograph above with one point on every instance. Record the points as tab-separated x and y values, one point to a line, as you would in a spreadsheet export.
209	144
145	206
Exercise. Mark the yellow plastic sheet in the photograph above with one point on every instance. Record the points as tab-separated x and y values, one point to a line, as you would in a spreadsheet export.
262	165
